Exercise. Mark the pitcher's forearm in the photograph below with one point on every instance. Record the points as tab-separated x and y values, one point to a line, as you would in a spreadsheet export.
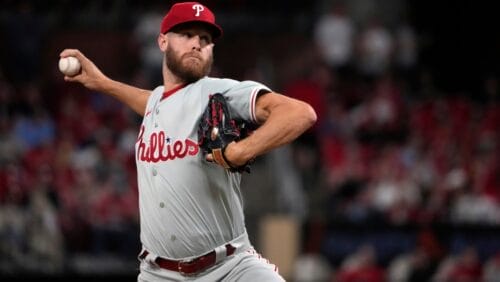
283	125
284	119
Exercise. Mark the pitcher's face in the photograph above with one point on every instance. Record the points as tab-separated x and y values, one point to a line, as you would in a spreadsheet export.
189	52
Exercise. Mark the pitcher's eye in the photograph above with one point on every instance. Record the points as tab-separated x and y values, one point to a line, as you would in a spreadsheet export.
205	39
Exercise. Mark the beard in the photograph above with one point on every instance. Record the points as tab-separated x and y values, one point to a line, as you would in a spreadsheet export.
187	69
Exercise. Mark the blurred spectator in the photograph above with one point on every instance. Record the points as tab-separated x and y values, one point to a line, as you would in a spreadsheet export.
399	268
473	208
380	118
311	268
393	193
13	236
33	126
314	89
110	223
405	49
34	131
419	264
29	229
375	47
465	267
414	266
44	235
477	202
361	266
10	146
70	114
334	35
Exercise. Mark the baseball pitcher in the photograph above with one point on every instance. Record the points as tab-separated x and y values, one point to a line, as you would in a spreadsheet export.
198	136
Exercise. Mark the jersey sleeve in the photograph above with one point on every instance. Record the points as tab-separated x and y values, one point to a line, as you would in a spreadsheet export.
242	97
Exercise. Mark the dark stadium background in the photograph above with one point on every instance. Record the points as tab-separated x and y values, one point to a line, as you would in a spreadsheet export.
458	45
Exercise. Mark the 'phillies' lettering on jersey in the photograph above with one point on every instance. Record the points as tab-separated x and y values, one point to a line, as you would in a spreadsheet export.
162	149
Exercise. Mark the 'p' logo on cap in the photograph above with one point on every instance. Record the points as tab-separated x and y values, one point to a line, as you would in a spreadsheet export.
199	8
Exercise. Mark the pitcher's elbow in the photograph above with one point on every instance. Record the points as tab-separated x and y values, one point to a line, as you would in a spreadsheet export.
310	115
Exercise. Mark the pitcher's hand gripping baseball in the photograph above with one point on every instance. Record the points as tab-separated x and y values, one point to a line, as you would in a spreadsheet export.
217	129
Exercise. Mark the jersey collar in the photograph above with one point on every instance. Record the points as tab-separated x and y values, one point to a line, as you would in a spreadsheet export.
168	93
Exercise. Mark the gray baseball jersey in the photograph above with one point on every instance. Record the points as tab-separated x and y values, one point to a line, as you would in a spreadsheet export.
188	206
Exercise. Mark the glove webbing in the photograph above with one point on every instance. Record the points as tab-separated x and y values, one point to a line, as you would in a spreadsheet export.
218	153
215	121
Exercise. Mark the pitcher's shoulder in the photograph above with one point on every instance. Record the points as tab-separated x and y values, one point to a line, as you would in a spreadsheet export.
217	82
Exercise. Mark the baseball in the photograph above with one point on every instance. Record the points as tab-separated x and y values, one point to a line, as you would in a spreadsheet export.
69	66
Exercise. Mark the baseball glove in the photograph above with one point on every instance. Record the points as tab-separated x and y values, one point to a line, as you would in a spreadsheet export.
217	129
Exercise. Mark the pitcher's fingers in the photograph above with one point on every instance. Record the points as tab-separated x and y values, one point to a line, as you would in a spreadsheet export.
74	53
75	78
209	158
69	52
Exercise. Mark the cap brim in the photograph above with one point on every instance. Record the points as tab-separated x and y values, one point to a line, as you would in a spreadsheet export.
214	29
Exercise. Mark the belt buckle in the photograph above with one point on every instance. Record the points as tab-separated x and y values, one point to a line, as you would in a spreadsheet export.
180	266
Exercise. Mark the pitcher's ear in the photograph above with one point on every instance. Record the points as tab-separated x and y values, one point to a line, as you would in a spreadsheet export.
162	41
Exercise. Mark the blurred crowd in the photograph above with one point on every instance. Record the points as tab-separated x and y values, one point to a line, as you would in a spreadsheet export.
389	148
392	148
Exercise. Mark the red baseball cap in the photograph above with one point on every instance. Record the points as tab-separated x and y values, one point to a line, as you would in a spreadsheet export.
190	12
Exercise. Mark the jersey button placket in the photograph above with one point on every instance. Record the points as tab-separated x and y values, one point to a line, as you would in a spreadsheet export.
154	171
